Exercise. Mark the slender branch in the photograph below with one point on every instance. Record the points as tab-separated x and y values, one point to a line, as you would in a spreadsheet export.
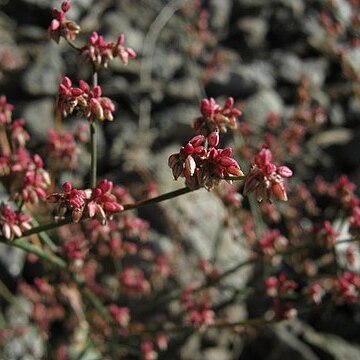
157	199
93	153
71	44
93	142
26	246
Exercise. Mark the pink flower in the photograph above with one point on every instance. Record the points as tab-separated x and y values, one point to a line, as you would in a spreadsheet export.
133	281
201	166
99	202
86	100
121	315
72	200
31	180
100	51
102	203
62	149
265	178
216	118
13	223
60	26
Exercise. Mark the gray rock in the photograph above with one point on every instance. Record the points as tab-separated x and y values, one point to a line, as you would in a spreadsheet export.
28	345
216	353
354	59
220	10
315	32
254	29
289	66
337	115
12	258
39	116
258	107
315	70
42	78
185	89
343	11
335	347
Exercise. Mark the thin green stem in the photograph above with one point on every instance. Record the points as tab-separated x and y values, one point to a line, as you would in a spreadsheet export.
157	199
26	246
93	153
93	140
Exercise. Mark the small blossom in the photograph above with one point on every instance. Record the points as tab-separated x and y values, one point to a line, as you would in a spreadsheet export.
19	136
84	99
101	52
201	166
133	281
72	200
60	26
62	149
216	118
13	223
121	315
265	178
102	203
31	180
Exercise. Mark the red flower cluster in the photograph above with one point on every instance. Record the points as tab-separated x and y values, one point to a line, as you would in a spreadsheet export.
86	100
30	179
280	286
60	26
216	118
201	165
99	202
133	281
198	307
265	178
347	287
100	51
13	223
62	149
120	314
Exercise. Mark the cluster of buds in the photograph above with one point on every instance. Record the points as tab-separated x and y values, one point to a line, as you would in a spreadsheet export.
280	286
327	235
120	314
99	202
86	100
13	223
133	281
265	178
100	52
198	308
5	110
347	288
203	166
60	26
62	149
31	180
216	118
271	244
19	136
315	292
46	308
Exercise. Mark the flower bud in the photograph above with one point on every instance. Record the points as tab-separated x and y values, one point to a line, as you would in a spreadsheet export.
213	138
65	6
